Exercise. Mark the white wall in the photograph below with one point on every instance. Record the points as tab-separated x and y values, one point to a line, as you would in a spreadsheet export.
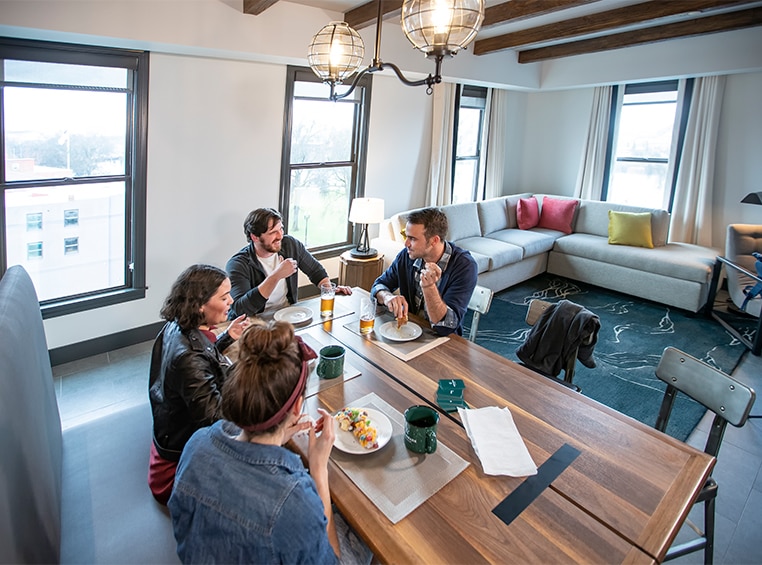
738	169
554	134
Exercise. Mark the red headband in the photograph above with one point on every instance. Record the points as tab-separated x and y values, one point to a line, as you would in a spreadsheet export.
306	353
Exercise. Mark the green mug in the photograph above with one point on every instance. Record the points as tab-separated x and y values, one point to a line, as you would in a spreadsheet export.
421	429
331	364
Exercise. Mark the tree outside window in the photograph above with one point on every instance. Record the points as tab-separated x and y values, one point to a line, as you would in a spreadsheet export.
323	161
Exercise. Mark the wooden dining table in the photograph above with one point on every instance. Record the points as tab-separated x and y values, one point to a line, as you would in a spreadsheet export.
609	489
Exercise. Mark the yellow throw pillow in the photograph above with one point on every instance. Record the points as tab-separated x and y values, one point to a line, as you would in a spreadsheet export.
630	228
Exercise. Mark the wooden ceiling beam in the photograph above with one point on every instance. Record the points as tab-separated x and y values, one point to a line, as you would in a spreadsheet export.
366	15
602	21
710	24
516	10
256	7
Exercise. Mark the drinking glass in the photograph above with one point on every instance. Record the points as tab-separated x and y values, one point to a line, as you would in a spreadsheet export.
327	295
367	314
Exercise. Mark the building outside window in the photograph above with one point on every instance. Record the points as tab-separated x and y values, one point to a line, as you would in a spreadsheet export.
467	177
71	245
74	134
645	142
34	250
323	169
71	218
34	221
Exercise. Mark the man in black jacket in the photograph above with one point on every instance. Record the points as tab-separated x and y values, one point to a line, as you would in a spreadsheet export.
263	275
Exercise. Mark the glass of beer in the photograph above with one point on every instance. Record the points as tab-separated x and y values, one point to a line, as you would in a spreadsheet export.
327	295
367	314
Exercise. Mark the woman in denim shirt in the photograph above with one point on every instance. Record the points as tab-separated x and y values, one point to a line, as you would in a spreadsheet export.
239	495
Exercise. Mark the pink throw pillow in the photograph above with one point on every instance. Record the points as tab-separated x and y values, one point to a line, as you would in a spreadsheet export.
557	214
527	213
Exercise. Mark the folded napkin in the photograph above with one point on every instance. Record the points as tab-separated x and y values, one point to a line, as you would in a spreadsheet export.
497	442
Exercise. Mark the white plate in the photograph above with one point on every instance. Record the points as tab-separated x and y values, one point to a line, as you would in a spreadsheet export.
347	442
408	332
295	314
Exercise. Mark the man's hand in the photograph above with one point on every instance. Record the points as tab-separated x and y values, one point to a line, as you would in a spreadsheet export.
430	275
286	268
396	304
347	290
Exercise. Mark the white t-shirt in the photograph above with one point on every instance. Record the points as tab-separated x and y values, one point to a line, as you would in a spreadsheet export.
278	298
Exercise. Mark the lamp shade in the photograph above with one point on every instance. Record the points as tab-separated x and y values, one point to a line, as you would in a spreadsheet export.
441	27
752	198
366	211
336	52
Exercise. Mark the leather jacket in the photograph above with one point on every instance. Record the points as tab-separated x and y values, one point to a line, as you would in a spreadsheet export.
185	387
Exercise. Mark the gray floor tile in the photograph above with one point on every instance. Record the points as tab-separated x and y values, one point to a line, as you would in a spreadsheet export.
744	547
735	473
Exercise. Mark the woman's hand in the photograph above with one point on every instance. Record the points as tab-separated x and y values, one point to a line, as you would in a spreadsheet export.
320	446
237	326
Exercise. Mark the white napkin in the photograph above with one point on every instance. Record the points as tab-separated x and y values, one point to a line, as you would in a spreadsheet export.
497	442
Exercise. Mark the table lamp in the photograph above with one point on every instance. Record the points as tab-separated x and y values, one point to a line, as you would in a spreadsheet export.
365	211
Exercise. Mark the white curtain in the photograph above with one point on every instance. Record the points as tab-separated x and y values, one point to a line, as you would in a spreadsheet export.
439	190
692	206
593	165
497	130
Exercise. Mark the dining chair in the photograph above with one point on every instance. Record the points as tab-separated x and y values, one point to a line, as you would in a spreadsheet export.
534	312
729	400
481	300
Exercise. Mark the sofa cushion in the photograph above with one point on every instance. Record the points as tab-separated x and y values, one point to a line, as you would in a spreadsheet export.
676	260
527	213
593	215
531	241
497	252
497	214
558	214
630	228
463	219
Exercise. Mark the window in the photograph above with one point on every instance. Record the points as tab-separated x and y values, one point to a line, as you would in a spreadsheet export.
645	140
470	105
324	148
34	221
34	250
71	245
74	135
71	218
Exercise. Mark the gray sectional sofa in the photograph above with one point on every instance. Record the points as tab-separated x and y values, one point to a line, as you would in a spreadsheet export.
676	274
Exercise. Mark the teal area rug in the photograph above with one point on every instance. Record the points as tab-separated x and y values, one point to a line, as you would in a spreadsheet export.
630	343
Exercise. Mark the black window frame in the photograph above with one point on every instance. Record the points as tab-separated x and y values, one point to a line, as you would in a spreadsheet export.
136	156
643	88
357	161
469	92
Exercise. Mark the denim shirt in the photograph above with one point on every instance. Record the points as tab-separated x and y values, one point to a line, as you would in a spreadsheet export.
240	502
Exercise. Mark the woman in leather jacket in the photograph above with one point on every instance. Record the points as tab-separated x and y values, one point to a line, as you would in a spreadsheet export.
188	367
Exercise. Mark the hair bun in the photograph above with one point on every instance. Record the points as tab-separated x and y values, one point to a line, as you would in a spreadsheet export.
266	342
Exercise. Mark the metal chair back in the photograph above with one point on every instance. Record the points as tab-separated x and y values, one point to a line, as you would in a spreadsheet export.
481	299
729	399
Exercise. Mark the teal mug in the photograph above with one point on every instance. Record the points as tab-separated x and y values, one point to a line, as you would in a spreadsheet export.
421	429
331	364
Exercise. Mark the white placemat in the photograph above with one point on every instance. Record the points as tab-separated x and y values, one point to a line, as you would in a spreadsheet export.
405	350
396	480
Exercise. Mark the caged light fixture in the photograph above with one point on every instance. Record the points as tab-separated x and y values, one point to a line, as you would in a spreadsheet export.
438	28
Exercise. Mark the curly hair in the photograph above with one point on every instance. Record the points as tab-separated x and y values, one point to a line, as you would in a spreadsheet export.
265	375
258	221
193	288
433	220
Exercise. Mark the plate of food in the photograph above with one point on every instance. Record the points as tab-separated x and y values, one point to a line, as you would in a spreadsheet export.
296	315
361	430
400	332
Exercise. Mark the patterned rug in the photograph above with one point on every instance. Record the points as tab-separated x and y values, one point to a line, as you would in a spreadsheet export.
633	335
